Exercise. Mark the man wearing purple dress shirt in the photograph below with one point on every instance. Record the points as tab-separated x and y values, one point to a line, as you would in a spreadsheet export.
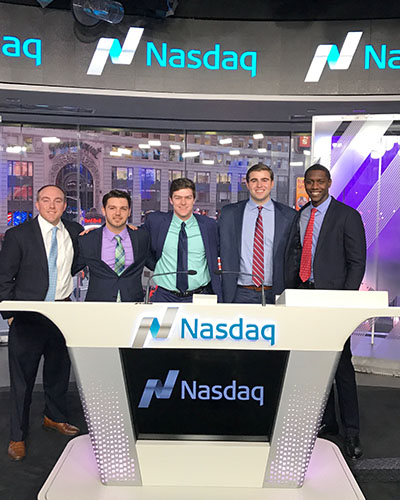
114	254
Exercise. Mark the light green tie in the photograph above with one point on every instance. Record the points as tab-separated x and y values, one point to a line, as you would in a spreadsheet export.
119	260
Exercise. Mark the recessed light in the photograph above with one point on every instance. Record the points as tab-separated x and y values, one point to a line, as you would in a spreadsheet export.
115	153
191	154
51	140
124	151
144	146
262	150
234	152
155	143
258	136
208	162
225	141
175	146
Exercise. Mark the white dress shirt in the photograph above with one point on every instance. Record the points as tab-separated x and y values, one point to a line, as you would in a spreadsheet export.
65	256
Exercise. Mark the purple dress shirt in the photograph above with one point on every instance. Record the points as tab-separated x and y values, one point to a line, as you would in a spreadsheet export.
108	247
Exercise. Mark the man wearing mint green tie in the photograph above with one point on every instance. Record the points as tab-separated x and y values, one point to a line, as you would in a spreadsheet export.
35	264
183	241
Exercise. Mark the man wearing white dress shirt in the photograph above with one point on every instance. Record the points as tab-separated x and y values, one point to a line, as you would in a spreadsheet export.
35	264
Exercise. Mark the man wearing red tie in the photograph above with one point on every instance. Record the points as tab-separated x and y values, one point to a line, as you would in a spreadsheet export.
253	236
327	250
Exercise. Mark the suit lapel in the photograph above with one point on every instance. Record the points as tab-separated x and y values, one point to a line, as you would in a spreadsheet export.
203	231
39	244
279	221
326	224
237	227
162	233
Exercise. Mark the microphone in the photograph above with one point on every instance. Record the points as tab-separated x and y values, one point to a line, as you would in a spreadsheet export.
190	272
219	272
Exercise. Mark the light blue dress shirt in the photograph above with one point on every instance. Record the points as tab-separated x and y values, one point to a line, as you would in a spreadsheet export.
248	227
318	220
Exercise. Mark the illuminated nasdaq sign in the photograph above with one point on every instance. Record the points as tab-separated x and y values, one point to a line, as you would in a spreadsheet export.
329	54
196	391
30	48
163	56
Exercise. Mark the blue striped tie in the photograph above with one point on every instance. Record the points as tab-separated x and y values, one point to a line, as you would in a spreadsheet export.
52	264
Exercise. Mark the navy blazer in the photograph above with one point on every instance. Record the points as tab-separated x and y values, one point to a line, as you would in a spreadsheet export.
340	256
157	224
104	283
24	272
230	236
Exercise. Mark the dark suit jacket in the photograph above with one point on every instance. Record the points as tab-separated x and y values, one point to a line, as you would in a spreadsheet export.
230	236
339	260
157	224
104	283
24	273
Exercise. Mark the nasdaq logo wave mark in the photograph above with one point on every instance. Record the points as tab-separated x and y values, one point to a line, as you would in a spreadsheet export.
195	391
112	47
329	54
154	327
155	387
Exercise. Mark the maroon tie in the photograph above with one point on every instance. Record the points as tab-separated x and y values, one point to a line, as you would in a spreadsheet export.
306	254
258	250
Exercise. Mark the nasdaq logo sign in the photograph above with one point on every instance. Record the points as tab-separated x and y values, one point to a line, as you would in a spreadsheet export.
157	329
155	387
329	54
163	56
213	59
118	55
238	330
30	48
196	391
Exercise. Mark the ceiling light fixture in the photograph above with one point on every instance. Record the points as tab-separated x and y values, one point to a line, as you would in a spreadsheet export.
225	141
51	140
191	154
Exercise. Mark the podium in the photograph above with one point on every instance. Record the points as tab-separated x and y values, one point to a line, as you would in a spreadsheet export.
206	400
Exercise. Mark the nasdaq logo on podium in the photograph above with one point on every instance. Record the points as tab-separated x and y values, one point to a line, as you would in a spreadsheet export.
192	328
195	391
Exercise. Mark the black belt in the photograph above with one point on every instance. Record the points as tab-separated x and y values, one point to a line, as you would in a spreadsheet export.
67	299
307	284
189	293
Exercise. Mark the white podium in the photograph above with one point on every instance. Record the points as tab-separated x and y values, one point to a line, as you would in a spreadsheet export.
206	400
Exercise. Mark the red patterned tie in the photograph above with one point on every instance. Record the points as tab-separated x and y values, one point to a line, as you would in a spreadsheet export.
306	255
258	250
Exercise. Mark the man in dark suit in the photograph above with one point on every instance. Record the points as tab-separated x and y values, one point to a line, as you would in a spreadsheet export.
253	236
35	264
327	250
182	241
114	253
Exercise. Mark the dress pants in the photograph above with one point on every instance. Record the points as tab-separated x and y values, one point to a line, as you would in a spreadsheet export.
347	396
32	336
247	296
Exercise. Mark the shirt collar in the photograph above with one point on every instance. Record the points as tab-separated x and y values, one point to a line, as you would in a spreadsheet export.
324	206
252	205
110	235
178	222
47	226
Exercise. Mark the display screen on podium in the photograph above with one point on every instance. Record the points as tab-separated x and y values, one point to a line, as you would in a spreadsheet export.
208	394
